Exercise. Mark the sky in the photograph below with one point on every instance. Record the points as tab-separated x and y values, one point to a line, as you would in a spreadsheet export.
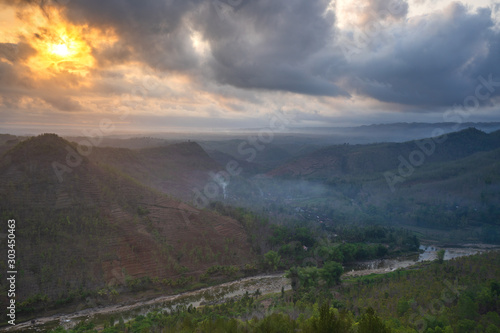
76	66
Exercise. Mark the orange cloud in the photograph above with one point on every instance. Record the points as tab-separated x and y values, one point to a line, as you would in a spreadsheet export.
60	46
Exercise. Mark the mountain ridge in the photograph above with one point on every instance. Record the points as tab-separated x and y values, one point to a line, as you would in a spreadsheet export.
378	157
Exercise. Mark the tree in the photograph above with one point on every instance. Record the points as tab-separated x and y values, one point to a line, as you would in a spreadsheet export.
440	256
331	273
465	326
305	236
276	322
293	275
272	260
328	321
402	307
336	255
492	329
348	252
308	276
371	323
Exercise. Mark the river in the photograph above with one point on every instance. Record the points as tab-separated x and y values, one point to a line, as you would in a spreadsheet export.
427	253
266	284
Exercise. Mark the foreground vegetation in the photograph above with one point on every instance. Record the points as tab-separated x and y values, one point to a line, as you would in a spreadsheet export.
457	296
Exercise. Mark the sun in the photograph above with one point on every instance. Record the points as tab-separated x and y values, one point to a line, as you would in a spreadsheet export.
62	50
59	48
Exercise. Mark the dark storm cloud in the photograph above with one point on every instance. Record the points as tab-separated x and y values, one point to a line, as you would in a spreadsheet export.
277	45
268	45
261	44
435	61
426	62
151	31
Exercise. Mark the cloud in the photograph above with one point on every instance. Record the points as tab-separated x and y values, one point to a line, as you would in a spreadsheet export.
363	14
14	52
434	62
268	45
150	31
263	45
293	46
209	55
63	103
117	53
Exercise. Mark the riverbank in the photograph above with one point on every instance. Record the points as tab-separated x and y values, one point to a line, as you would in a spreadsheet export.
427	253
265	284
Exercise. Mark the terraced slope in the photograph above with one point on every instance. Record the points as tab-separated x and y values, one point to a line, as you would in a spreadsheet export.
99	228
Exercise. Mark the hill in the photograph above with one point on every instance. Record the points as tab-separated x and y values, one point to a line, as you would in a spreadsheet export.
7	141
94	228
347	159
392	132
175	169
449	183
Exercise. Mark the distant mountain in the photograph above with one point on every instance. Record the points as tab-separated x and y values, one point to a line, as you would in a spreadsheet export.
130	143
259	157
451	181
347	159
391	132
83	226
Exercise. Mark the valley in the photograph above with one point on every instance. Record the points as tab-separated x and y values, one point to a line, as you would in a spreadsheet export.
267	284
123	230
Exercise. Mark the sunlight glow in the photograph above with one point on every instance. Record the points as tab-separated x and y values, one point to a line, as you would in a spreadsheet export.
60	46
201	46
60	50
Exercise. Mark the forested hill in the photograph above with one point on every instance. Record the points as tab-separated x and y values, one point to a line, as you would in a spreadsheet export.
83	227
346	160
450	182
174	169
